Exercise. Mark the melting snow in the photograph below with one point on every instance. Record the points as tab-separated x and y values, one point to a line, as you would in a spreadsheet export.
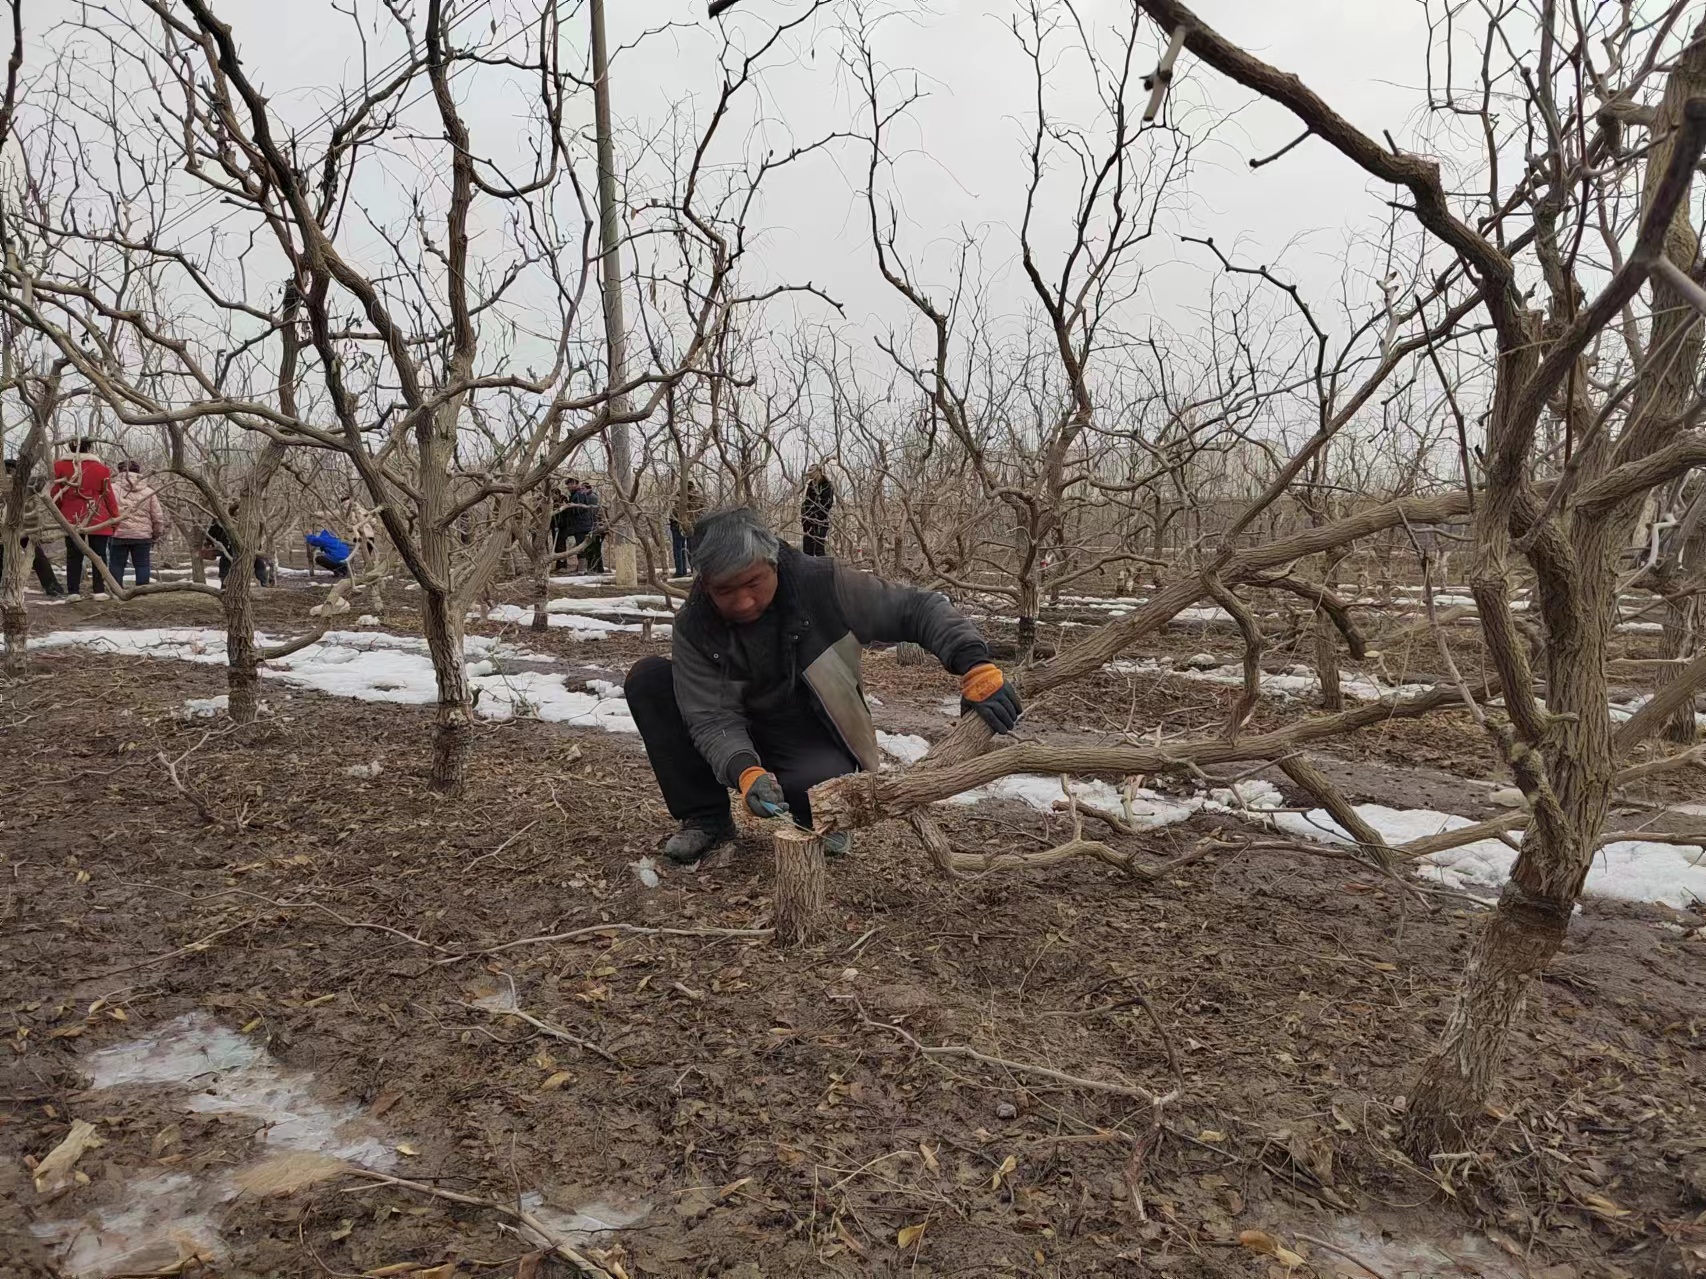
1634	870
384	668
167	1218
592	628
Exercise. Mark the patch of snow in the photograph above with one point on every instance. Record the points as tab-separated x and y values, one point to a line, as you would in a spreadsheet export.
385	668
207	707
646	871
590	628
584	579
1299	681
1633	870
907	748
367	619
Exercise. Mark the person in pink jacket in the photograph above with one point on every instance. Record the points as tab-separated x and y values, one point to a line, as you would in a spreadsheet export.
141	523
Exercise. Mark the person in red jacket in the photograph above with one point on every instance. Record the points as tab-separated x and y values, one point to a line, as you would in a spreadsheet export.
83	492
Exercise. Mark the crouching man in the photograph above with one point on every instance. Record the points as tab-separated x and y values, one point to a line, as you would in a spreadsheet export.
762	693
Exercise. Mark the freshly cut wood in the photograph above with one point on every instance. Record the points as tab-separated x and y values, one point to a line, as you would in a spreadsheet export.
801	883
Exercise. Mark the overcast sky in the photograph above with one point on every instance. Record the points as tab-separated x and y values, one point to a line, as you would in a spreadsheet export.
964	143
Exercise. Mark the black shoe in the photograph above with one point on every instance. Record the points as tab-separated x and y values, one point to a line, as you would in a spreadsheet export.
691	843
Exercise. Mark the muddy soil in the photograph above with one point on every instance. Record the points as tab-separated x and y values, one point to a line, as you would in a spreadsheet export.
745	1108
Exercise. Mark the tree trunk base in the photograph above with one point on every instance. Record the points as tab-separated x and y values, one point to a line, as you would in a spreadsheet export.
801	885
16	662
1450	1097
451	743
242	687
910	655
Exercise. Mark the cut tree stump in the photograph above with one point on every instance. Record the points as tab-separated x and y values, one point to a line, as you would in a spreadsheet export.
801	881
910	655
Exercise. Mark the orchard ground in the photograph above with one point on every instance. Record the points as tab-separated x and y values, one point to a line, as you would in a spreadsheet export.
226	945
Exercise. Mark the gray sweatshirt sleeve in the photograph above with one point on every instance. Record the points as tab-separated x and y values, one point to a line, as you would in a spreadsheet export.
883	612
715	711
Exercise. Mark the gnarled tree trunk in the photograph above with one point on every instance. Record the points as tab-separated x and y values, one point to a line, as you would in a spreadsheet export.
442	622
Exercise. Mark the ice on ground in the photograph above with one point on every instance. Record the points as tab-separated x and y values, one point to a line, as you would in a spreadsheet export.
163	1226
1633	870
231	1075
166	1219
908	748
582	627
582	1226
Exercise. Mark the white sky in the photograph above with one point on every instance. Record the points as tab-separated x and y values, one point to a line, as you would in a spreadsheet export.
964	162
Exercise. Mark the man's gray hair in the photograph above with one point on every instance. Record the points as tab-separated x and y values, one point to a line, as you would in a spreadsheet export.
726	542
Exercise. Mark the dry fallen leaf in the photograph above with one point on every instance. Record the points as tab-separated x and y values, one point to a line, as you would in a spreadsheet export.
1210	1134
395	1268
403	1148
554	1083
446	1271
1007	1166
929	1158
1261	1241
344	1228
1604	1207
65	1032
54	1172
910	1235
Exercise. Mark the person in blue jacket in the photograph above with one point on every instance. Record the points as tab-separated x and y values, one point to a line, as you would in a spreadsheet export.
331	552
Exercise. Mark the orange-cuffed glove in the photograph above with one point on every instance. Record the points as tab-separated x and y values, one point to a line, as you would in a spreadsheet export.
763	793
985	690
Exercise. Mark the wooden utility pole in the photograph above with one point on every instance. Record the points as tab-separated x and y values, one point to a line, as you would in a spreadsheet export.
619	545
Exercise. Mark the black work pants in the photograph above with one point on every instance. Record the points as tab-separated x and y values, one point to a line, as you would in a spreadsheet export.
337	568
43	566
801	752
74	562
816	539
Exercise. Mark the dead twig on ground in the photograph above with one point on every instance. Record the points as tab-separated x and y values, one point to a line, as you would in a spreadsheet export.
593	930
544	1027
1003	1063
532	1224
195	947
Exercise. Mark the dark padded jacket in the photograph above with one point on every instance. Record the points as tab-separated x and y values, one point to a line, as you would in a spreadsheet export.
829	612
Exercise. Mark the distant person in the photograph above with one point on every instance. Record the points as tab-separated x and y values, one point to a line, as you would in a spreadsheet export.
815	507
585	525
682	519
220	542
331	552
561	514
761	693
83	491
32	539
141	523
